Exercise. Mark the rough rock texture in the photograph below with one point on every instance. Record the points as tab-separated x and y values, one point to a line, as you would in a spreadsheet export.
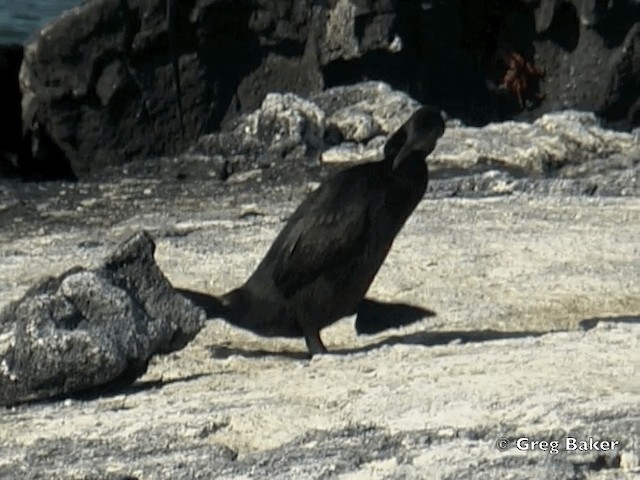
564	144
106	93
90	328
284	130
591	52
98	86
359	119
341	124
351	124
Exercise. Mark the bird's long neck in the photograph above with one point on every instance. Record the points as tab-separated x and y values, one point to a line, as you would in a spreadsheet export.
412	172
409	183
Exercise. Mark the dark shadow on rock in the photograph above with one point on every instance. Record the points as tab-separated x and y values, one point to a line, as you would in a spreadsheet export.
225	44
113	389
589	323
10	97
564	29
430	339
613	24
423	338
222	352
374	316
42	159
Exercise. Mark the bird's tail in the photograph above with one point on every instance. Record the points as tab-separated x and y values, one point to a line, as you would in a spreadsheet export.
213	306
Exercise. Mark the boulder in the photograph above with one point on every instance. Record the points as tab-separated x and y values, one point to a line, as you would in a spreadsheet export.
286	127
92	328
568	143
360	117
340	124
99	80
591	53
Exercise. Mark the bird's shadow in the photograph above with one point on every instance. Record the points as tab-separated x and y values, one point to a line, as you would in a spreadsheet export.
373	316
222	352
429	339
209	303
589	323
422	338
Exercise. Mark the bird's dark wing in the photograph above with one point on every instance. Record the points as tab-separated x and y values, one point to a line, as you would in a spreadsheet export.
326	230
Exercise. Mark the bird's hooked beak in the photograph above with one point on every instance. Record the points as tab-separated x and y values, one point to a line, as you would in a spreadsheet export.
417	139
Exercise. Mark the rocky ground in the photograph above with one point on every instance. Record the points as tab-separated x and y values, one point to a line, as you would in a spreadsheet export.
515	280
526	247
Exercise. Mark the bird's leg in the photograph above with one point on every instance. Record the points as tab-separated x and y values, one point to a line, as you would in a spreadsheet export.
314	342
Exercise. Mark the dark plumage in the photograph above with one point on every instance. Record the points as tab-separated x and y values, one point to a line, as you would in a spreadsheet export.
323	261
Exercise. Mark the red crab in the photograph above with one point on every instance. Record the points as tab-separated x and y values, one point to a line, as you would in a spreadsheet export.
520	78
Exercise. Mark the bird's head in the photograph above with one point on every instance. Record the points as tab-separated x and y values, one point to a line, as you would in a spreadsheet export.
418	134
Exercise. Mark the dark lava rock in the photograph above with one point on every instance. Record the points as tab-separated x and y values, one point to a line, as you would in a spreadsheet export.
99	80
99	86
591	53
89	328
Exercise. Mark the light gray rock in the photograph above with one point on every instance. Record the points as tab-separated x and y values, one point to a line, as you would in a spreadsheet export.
354	124
350	125
386	107
623	182
544	147
285	127
90	328
342	124
351	152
